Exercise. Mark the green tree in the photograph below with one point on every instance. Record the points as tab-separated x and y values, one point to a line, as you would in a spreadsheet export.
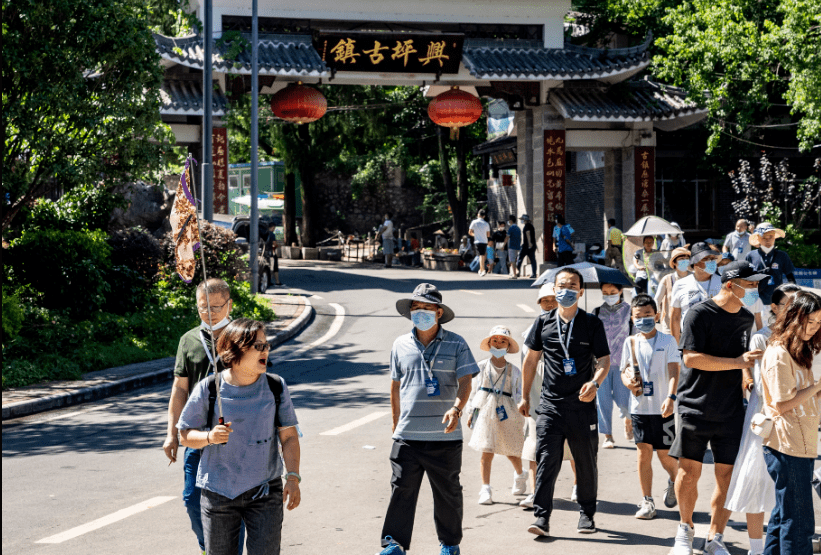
80	96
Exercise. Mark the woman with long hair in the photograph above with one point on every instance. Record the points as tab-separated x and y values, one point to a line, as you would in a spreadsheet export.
791	400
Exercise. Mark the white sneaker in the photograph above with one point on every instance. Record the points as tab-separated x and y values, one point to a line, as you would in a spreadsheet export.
574	497
527	502
647	509
683	544
608	444
519	483
716	546
485	497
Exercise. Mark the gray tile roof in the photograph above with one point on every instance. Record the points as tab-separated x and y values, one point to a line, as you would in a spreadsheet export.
626	102
183	97
278	55
530	60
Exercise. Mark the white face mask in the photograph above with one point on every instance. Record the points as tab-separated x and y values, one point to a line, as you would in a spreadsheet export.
218	326
767	249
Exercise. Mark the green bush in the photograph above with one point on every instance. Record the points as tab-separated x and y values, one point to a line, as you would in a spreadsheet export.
85	207
12	315
803	252
135	256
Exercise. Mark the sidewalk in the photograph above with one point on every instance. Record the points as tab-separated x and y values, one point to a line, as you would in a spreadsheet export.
293	314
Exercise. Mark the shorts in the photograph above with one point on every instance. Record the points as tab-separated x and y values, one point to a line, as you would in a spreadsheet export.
387	246
481	248
655	430
513	255
695	433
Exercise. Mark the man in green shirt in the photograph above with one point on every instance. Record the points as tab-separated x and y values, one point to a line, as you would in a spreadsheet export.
615	240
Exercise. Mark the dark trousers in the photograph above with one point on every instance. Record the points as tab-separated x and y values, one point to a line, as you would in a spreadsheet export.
565	258
410	460
530	254
792	522
579	429
260	509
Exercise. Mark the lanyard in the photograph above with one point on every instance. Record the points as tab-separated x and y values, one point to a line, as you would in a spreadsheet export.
565	347
707	295
503	377
207	351
427	366
652	353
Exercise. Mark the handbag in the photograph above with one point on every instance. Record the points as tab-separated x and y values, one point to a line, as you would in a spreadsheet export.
761	425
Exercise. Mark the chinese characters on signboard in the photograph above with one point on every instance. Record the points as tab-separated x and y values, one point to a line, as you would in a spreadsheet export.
219	154
554	185
391	52
645	181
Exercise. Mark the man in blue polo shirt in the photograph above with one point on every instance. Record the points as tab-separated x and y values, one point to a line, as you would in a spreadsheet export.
769	260
431	369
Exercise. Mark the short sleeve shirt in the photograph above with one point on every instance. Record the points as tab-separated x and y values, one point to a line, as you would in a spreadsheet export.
529	233
499	237
481	230
738	244
193	361
448	358
616	320
615	236
687	292
588	341
515	241
563	239
653	356
711	330
777	265
251	457
387	230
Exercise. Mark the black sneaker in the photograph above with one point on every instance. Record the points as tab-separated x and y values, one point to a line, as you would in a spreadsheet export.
586	525
539	528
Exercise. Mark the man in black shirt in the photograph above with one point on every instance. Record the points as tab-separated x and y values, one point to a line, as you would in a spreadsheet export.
715	337
528	246
576	362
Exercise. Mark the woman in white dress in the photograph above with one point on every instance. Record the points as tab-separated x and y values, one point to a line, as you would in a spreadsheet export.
752	491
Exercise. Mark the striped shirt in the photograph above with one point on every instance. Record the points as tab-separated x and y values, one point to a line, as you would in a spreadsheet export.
449	358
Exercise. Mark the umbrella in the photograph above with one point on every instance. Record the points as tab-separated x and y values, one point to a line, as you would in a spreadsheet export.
264	203
593	274
652	225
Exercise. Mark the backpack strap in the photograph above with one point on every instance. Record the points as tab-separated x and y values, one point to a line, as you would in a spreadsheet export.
275	384
212	398
597	311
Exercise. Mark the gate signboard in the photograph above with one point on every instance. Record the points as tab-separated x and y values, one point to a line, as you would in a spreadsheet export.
555	176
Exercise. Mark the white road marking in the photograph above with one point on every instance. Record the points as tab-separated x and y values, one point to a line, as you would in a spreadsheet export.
336	325
471	292
106	520
316	297
355	424
525	308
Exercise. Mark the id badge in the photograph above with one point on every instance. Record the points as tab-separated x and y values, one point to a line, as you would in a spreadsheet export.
432	387
740	250
569	366
648	389
501	413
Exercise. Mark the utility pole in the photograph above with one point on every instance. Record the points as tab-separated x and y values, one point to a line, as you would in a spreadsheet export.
254	235
207	195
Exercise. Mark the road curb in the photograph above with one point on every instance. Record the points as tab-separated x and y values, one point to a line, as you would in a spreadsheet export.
107	389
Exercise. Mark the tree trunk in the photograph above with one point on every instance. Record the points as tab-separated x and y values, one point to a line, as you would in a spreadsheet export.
458	205
309	228
289	209
462	183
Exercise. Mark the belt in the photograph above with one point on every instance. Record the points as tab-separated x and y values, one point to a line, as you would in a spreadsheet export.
492	391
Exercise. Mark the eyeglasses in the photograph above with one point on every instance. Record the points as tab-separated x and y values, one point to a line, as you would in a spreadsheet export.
214	308
262	346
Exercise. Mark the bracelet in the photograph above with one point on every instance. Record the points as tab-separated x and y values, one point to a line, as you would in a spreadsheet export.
208	437
295	475
458	411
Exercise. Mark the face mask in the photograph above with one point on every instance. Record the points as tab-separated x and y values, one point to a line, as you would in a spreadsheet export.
566	297
683	264
767	249
645	325
611	299
218	326
711	266
498	353
750	297
545	311
423	320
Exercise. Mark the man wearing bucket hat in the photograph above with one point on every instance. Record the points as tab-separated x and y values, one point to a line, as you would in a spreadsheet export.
431	371
680	263
767	259
701	285
715	338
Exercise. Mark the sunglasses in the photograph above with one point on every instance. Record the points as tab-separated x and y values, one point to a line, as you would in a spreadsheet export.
262	346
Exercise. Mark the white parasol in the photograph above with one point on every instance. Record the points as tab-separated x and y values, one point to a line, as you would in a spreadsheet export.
652	225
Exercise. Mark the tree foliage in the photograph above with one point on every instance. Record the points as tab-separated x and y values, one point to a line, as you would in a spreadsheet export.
80	96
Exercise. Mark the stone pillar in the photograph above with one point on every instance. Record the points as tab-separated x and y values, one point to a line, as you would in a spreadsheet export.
628	187
524	162
613	188
544	117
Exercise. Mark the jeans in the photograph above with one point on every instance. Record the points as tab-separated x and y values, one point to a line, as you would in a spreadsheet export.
191	497
612	389
501	266
259	508
792	523
410	461
578	428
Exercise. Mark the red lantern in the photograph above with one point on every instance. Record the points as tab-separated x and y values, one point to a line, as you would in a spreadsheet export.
297	103
455	108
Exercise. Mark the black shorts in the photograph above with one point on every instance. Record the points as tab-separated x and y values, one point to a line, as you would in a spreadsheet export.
695	433
481	248
655	430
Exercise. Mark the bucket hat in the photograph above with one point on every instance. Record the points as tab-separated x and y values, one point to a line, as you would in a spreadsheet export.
501	331
546	290
741	269
524	218
424	293
755	238
678	252
699	251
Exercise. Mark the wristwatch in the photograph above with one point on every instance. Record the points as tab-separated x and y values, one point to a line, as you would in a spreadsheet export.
594	382
672	396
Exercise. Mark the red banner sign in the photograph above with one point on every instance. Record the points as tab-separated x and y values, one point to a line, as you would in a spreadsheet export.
219	154
645	181
507	180
554	185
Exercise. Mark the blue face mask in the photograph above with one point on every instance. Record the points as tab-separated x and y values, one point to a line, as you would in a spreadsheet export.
683	264
750	296
498	353
711	266
423	320
645	325
566	297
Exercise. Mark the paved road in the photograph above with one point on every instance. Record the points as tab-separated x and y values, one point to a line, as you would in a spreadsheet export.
94	479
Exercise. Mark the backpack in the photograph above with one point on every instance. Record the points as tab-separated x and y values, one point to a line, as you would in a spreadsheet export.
274	383
597	310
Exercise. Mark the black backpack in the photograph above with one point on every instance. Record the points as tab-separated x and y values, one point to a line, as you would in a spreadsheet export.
274	382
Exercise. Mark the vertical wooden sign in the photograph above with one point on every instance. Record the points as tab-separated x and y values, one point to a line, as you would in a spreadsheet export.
554	185
219	140
645	157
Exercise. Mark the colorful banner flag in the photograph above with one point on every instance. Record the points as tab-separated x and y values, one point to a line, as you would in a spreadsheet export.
184	226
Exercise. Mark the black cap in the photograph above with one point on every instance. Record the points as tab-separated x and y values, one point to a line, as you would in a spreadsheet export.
741	269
